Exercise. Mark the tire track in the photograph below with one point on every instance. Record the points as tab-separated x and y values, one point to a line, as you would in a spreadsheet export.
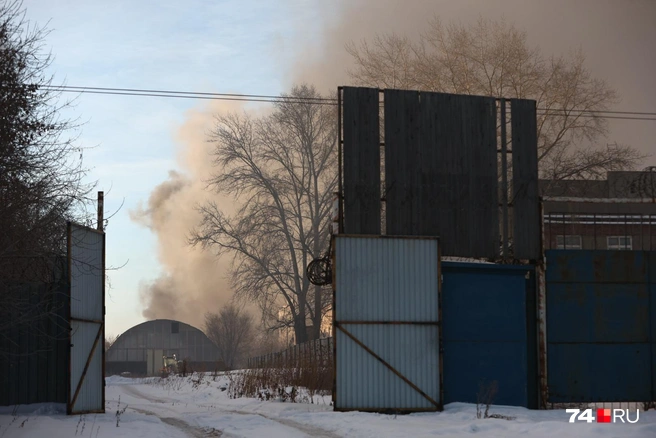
311	431
183	426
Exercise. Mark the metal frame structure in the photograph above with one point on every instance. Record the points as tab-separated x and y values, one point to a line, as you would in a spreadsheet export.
98	340
505	202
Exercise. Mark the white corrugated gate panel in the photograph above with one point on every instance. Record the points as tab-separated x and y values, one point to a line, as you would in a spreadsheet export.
87	275
90	394
383	288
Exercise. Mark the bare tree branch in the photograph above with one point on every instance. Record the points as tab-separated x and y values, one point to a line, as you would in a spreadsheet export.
493	58
282	168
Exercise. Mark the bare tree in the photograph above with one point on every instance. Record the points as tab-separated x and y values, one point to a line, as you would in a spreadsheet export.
282	170
493	58
109	341
41	173
232	331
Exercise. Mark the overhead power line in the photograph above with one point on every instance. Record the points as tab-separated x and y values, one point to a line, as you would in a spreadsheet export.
238	97
594	115
188	94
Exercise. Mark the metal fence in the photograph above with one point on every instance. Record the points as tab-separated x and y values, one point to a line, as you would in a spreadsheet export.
34	344
318	351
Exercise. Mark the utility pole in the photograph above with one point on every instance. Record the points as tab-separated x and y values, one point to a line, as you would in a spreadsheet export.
101	210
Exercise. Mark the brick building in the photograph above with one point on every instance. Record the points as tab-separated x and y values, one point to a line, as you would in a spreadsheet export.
616	213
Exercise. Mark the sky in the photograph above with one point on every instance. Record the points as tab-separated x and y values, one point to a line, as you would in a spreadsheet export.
150	155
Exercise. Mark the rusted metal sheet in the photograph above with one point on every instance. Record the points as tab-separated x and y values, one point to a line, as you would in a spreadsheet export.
387	335
525	199
86	254
361	155
600	320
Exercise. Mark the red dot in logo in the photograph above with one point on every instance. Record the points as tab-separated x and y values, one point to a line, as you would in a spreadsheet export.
603	415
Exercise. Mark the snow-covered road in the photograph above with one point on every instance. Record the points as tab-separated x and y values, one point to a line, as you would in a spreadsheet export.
180	407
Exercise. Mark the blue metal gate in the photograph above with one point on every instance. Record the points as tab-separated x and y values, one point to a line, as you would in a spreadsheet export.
601	326
489	334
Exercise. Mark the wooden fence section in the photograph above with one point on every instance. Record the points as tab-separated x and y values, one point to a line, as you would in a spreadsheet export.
318	351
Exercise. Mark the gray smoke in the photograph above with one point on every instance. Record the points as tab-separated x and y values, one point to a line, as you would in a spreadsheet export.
193	281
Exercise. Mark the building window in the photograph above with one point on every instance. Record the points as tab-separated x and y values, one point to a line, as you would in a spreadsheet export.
569	242
619	242
175	327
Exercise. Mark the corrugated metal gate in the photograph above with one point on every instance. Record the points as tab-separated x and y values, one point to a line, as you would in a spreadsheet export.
601	326
489	332
387	335
86	258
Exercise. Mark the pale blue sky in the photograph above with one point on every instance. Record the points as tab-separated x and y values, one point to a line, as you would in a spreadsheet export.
262	47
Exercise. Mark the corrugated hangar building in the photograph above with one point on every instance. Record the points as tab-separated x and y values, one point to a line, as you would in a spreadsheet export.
139	350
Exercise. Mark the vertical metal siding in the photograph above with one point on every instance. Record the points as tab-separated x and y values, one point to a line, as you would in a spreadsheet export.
90	395
403	149
441	170
87	277
525	200
87	274
361	151
387	296
36	365
391	279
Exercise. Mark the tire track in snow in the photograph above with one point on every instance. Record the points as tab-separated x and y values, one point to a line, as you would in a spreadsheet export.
183	426
306	429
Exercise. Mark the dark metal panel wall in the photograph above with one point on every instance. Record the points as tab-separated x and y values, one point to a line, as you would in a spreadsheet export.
441	174
361	152
34	356
525	201
600	319
441	170
487	312
403	160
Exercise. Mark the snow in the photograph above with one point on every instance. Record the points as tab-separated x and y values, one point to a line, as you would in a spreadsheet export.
176	407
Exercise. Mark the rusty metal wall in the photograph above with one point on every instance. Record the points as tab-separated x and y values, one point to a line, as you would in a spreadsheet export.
86	248
387	335
601	326
361	161
525	196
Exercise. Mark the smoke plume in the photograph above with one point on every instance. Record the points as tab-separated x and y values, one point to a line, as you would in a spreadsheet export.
193	281
557	27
